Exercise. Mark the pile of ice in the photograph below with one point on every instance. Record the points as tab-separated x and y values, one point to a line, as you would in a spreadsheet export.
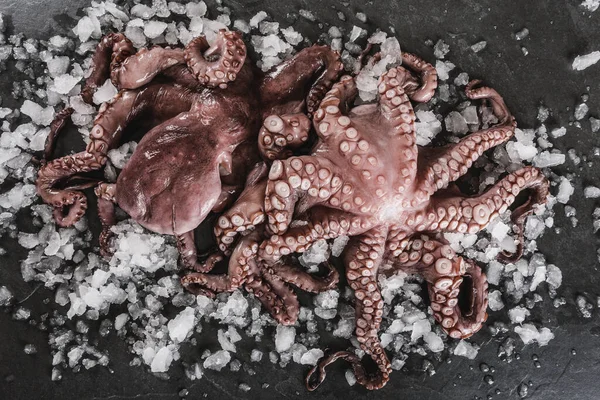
141	278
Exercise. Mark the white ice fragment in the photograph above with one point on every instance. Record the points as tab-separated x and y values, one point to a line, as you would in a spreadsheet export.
142	11
328	299
225	342
195	9
309	15
553	276
443	69
63	84
427	126
162	360
254	21
591	5
558	132
565	190
350	377
241	26
466	349
456	123
495	300
591	192
105	92
5	296
581	111
99	278
217	360
153	29
311	357
58	66
121	320
582	62
84	29
181	326
315	254
529	334
547	159
518	314
292	36
479	46
419	329
38	114
284	338
356	33
339	243
494	272
434	342
595	124
256	355
440	49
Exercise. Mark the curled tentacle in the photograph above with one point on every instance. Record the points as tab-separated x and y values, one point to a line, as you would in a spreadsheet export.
110	53
317	374
425	92
279	135
219	64
538	197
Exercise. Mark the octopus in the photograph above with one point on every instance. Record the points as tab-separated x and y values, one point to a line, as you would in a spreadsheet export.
368	179
202	106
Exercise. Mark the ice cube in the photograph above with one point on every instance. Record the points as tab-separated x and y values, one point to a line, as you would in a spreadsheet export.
105	92
518	314
565	190
547	159
217	360
195	9
440	49
350	377
39	115
153	29
181	326
311	357
495	300
581	111
456	123
224	341
479	46
5	296
256	19
284	338
591	5
558	132
121	320
419	329
591	192
553	276
585	61
595	124
84	29
466	349
309	15
256	355
433	341
162	360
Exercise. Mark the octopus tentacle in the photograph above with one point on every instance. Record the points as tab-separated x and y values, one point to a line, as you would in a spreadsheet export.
304	280
322	223
56	126
103	136
112	50
438	167
311	180
331	116
219	64
455	213
277	297
289	79
106	213
142	67
189	255
445	272
425	92
362	260
280	134
241	265
245	214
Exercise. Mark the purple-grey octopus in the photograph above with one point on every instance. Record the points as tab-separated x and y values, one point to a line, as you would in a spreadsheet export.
224	137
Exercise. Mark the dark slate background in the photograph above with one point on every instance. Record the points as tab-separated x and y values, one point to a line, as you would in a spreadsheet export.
559	31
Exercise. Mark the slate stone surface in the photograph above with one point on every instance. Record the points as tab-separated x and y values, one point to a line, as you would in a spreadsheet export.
559	31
